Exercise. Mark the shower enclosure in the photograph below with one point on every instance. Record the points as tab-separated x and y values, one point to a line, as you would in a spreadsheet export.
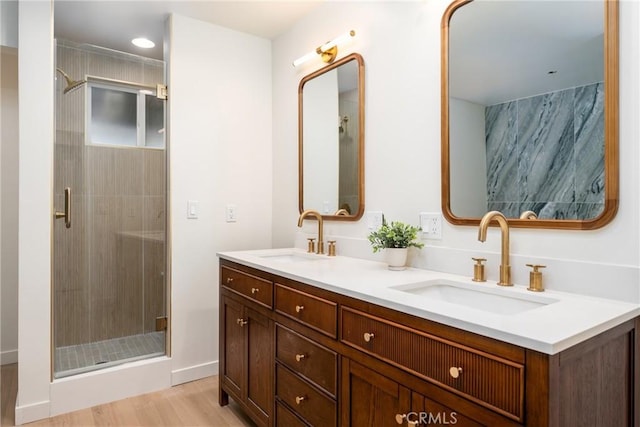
109	283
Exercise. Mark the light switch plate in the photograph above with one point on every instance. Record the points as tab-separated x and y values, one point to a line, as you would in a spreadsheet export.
193	209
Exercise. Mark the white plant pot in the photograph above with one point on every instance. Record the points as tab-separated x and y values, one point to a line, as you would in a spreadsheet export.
396	258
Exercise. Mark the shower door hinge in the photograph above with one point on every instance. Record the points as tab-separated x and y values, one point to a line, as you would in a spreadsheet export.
161	91
161	323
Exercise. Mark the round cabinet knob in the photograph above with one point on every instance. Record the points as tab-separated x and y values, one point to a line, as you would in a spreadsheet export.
401	417
299	357
455	371
255	290
229	279
299	399
368	336
299	308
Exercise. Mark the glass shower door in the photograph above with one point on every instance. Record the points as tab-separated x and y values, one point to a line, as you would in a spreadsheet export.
109	284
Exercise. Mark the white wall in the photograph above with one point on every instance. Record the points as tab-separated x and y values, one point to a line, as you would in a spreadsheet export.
9	203
220	148
400	43
35	67
467	159
320	173
220	136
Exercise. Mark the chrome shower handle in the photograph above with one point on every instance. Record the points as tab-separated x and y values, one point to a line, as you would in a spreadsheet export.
67	208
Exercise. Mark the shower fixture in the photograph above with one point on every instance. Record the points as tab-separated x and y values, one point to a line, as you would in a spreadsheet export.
71	84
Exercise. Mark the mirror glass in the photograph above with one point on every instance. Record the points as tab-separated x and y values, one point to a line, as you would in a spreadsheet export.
331	140
529	112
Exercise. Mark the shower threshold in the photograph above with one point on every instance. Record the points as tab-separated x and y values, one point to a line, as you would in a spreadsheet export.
80	358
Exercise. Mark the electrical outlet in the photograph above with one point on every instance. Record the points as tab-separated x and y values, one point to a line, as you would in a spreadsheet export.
231	213
431	224
374	220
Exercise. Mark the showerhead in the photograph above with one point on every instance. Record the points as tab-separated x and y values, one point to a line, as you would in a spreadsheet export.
71	84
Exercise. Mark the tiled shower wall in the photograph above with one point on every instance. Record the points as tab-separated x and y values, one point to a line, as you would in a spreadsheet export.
546	154
348	151
109	266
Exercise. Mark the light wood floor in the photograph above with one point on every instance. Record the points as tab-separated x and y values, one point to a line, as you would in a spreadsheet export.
190	404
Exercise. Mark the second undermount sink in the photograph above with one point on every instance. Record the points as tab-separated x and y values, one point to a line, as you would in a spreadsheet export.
497	301
290	256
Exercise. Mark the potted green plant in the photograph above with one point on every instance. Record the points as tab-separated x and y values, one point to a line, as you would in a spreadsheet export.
395	238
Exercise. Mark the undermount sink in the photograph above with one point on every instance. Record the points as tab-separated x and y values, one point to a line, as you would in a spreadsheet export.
490	300
287	257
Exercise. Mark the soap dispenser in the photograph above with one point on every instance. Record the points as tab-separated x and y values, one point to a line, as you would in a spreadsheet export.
535	278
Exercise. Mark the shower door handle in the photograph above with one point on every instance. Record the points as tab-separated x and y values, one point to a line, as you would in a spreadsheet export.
67	208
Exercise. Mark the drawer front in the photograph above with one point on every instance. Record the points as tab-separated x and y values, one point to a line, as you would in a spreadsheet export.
309	403
286	418
317	313
488	380
316	363
252	287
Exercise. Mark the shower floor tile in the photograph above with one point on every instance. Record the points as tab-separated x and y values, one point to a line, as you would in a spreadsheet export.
80	358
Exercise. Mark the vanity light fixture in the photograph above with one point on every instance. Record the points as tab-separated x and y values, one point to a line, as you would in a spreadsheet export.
143	43
327	51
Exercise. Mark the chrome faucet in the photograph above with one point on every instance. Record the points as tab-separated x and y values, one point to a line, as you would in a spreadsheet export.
505	268
310	212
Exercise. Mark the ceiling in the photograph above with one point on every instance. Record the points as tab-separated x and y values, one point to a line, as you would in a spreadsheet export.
113	24
501	51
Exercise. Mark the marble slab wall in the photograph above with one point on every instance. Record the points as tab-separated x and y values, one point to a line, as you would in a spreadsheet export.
546	154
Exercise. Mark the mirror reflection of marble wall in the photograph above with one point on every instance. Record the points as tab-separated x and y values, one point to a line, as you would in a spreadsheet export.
546	154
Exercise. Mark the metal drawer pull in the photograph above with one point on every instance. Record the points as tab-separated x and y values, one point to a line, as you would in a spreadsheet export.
242	322
401	417
229	279
455	371
300	399
368	336
299	357
299	308
255	290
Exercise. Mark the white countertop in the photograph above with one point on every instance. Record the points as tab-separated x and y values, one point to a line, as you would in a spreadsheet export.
564	320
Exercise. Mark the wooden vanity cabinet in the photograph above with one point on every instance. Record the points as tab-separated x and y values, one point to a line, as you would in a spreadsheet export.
246	348
314	357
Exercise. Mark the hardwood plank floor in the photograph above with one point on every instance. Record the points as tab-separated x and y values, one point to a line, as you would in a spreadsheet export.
190	404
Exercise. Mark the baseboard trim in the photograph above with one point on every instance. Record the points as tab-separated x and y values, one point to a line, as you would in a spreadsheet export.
192	373
33	412
8	357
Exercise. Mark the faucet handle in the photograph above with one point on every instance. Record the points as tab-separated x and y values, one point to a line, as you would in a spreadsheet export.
478	270
311	246
332	247
535	278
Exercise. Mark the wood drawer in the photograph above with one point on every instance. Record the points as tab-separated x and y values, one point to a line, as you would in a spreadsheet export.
316	363
488	380
309	403
286	418
317	313
252	287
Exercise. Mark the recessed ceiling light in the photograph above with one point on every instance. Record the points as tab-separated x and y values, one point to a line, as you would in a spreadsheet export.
143	43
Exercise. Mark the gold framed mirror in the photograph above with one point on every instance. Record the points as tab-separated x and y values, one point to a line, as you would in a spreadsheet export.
331	140
509	69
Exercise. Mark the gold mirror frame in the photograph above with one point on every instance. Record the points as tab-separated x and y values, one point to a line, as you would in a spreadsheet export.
611	161
360	62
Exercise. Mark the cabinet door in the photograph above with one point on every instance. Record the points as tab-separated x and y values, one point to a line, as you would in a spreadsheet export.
428	412
233	346
260	349
371	399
